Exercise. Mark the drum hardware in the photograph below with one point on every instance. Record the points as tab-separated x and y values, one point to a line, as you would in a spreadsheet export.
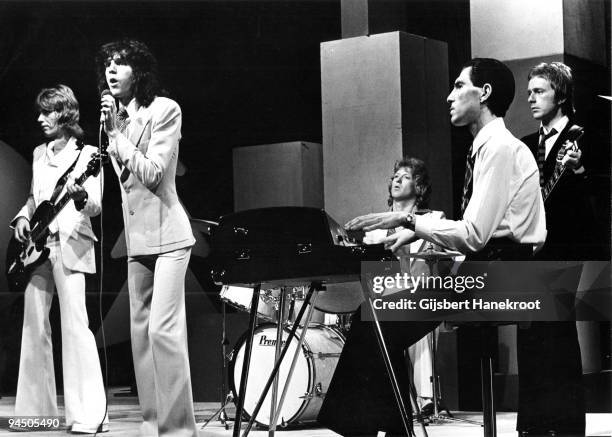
311	308
323	355
312	294
318	392
307	409
221	412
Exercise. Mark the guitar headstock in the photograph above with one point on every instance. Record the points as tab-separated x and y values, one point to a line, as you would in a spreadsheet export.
100	156
97	160
574	133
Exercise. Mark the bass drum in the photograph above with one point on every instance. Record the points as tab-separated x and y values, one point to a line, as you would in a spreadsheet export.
311	377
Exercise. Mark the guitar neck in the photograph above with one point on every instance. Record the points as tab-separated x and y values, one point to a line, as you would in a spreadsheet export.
40	228
559	166
60	204
548	187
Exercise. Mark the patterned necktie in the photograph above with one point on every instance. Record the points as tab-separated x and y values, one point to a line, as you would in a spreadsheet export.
467	181
122	123
542	152
122	120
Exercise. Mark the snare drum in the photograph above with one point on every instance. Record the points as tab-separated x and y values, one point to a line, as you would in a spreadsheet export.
310	380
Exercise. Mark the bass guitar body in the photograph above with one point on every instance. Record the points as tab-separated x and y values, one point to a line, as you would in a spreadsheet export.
22	258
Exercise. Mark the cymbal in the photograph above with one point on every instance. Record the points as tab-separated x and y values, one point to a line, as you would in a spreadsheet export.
434	255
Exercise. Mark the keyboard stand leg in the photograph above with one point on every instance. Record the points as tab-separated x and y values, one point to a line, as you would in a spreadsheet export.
246	362
280	327
390	371
300	316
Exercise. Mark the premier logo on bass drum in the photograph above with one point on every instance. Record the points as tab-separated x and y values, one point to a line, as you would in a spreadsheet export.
264	341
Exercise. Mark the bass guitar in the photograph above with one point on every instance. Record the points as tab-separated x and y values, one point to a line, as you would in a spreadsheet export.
23	257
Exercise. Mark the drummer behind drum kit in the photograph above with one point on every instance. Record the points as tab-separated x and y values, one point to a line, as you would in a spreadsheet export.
315	363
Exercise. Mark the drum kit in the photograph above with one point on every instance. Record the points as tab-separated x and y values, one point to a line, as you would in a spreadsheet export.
304	382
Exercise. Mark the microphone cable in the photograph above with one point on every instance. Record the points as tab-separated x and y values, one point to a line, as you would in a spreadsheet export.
102	145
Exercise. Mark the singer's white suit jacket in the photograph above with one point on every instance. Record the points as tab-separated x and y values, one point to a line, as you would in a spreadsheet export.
155	221
74	227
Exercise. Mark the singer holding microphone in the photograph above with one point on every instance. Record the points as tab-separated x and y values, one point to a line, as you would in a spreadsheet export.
144	130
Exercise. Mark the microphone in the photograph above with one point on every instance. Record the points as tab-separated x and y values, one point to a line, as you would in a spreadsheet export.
105	92
102	137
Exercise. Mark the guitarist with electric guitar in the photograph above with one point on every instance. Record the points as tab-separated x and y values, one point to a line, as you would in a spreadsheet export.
552	390
57	249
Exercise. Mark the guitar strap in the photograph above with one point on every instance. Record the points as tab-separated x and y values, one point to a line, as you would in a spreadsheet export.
59	186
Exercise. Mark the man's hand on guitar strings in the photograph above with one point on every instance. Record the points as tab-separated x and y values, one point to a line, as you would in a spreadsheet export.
76	191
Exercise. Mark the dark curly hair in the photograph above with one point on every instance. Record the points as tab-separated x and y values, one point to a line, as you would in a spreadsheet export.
422	183
144	67
501	79
61	99
561	81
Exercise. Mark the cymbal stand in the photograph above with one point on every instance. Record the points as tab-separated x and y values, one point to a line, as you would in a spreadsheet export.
436	417
314	288
223	418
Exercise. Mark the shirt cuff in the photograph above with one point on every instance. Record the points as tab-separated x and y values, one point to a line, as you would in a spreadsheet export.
422	226
14	222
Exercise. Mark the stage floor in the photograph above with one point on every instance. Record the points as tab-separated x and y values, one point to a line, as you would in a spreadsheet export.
125	419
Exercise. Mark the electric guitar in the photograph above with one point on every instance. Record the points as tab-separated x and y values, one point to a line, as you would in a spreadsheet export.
23	257
573	135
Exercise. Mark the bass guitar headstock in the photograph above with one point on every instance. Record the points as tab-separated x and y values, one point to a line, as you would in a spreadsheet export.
97	160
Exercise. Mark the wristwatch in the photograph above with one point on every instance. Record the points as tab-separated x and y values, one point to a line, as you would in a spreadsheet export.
408	221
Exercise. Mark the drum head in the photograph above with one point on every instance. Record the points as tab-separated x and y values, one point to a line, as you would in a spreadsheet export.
262	363
343	298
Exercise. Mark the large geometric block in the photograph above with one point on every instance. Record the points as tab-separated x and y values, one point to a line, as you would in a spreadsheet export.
383	96
282	174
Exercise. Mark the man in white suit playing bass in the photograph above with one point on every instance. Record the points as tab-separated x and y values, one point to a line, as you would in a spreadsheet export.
71	244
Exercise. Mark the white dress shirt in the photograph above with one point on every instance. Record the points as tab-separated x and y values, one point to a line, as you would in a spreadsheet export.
506	199
558	127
